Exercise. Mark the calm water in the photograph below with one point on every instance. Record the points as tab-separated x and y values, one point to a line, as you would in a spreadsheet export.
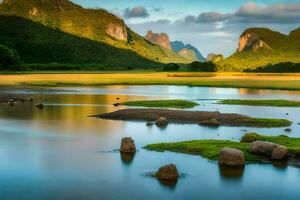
61	153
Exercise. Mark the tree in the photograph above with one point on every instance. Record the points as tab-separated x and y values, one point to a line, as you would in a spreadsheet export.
9	58
202	67
171	67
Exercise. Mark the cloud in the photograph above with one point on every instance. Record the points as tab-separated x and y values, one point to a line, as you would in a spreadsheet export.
207	17
136	12
252	13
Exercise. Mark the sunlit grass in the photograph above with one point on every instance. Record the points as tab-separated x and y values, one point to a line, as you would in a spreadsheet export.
176	103
275	103
236	80
210	148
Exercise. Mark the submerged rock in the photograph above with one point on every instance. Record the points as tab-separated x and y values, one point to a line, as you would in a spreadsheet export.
231	157
127	145
262	148
40	106
280	153
167	172
288	130
210	123
161	122
149	124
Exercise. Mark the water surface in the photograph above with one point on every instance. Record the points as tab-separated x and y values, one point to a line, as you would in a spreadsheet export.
61	153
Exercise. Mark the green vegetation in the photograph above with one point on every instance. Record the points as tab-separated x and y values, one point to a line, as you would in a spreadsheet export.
277	68
171	67
275	103
279	48
9	58
162	104
210	148
251	137
262	122
47	31
97	78
202	67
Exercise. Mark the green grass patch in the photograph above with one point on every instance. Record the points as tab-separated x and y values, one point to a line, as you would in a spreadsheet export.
275	103
176	103
268	123
210	148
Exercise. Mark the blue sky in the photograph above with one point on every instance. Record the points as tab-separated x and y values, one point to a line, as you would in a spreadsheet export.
213	26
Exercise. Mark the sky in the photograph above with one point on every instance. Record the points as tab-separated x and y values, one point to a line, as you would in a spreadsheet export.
213	26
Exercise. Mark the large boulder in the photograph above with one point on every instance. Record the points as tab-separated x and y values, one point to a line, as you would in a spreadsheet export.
262	148
161	122
168	172
127	145
231	157
280	153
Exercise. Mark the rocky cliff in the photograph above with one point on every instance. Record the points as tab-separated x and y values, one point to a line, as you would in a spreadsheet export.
251	42
161	39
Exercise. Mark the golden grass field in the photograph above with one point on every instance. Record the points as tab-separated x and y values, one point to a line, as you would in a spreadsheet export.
236	80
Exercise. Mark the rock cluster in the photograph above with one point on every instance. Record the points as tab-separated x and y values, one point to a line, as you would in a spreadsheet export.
269	149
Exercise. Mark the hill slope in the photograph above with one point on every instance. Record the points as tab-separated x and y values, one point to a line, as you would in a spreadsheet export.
92	24
262	46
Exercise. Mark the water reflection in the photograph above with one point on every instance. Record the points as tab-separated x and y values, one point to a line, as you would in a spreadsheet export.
234	173
170	184
127	158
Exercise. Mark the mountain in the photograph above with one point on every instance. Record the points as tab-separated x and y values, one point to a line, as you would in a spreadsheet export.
260	47
161	39
104	36
182	49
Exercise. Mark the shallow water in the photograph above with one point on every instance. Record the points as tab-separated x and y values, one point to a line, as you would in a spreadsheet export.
61	153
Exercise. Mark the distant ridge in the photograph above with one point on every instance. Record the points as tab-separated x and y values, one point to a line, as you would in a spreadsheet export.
180	47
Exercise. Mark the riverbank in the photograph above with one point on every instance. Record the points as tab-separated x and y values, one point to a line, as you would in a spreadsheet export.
225	80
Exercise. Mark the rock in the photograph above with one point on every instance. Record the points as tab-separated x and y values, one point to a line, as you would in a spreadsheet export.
251	137
280	153
149	124
168	172
210	123
231	157
297	154
127	145
11	103
288	130
162	122
40	106
262	148
117	104
117	31
161	39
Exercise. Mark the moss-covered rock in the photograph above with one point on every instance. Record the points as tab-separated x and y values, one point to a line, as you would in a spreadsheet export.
251	137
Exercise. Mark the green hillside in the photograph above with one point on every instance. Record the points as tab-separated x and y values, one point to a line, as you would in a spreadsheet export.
104	37
264	48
